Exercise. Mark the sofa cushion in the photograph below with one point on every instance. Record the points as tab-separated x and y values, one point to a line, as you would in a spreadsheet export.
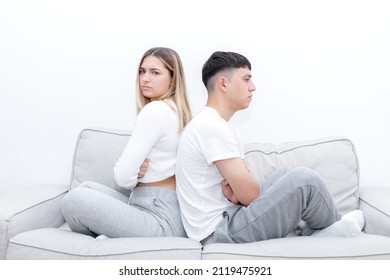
364	246
374	202
60	244
98	149
35	207
96	153
334	158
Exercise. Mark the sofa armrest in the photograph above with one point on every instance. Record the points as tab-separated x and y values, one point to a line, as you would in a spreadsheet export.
374	202
32	208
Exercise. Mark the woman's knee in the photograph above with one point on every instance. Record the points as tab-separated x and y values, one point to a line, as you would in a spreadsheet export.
87	184
76	196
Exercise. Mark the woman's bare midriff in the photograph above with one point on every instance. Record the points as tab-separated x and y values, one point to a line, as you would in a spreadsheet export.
169	182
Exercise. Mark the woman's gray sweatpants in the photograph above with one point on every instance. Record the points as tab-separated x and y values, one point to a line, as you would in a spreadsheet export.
287	196
95	209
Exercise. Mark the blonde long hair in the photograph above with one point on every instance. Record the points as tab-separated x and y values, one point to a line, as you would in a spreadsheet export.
176	96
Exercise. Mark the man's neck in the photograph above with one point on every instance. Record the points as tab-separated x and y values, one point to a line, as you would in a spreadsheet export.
221	108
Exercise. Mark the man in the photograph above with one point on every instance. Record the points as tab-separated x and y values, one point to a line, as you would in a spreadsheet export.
219	199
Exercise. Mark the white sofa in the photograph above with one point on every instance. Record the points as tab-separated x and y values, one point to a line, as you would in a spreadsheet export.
32	226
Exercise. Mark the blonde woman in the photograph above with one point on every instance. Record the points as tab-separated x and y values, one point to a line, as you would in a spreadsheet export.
147	165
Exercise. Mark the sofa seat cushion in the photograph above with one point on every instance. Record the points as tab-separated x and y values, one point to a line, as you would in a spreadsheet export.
334	158
365	246
54	243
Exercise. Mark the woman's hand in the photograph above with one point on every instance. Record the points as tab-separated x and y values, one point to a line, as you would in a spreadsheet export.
144	168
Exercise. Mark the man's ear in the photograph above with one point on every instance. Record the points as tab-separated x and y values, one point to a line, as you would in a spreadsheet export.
221	83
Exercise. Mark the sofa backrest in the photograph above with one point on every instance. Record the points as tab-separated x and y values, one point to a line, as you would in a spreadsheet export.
98	149
334	158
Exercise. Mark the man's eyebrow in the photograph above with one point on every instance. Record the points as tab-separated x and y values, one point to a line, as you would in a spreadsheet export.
247	76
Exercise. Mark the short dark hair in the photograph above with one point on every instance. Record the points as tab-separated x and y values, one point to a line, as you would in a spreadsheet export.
220	61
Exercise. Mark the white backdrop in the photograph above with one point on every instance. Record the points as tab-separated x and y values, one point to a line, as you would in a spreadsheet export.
321	68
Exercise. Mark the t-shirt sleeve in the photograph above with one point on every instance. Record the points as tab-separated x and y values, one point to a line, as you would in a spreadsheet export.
219	142
148	129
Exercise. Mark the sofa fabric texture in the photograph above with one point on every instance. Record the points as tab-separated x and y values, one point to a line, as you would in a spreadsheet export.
334	158
35	227
95	156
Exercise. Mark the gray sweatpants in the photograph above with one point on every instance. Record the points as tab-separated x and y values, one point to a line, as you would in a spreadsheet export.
287	197
95	209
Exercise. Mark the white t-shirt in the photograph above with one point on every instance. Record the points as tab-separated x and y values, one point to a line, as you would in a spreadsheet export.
206	139
155	136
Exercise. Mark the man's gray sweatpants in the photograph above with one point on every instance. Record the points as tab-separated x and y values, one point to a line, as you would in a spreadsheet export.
287	197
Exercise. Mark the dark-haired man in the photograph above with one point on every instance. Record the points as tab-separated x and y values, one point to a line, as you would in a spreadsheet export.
219	199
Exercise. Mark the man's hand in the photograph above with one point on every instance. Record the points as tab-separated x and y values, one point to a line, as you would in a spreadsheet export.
239	179
228	192
144	168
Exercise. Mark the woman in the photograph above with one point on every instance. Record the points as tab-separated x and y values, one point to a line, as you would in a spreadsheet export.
147	165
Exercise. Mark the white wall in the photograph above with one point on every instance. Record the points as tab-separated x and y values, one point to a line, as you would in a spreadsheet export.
320	70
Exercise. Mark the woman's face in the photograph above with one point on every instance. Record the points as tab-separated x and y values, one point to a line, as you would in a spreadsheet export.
154	78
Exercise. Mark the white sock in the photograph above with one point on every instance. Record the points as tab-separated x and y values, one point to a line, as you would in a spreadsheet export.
102	237
351	224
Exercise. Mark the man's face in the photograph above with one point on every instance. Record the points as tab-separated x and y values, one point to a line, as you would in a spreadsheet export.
240	89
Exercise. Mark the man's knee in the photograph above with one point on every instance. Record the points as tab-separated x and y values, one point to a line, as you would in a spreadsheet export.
308	176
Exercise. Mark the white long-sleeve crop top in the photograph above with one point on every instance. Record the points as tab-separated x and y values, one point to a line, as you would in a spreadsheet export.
155	136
